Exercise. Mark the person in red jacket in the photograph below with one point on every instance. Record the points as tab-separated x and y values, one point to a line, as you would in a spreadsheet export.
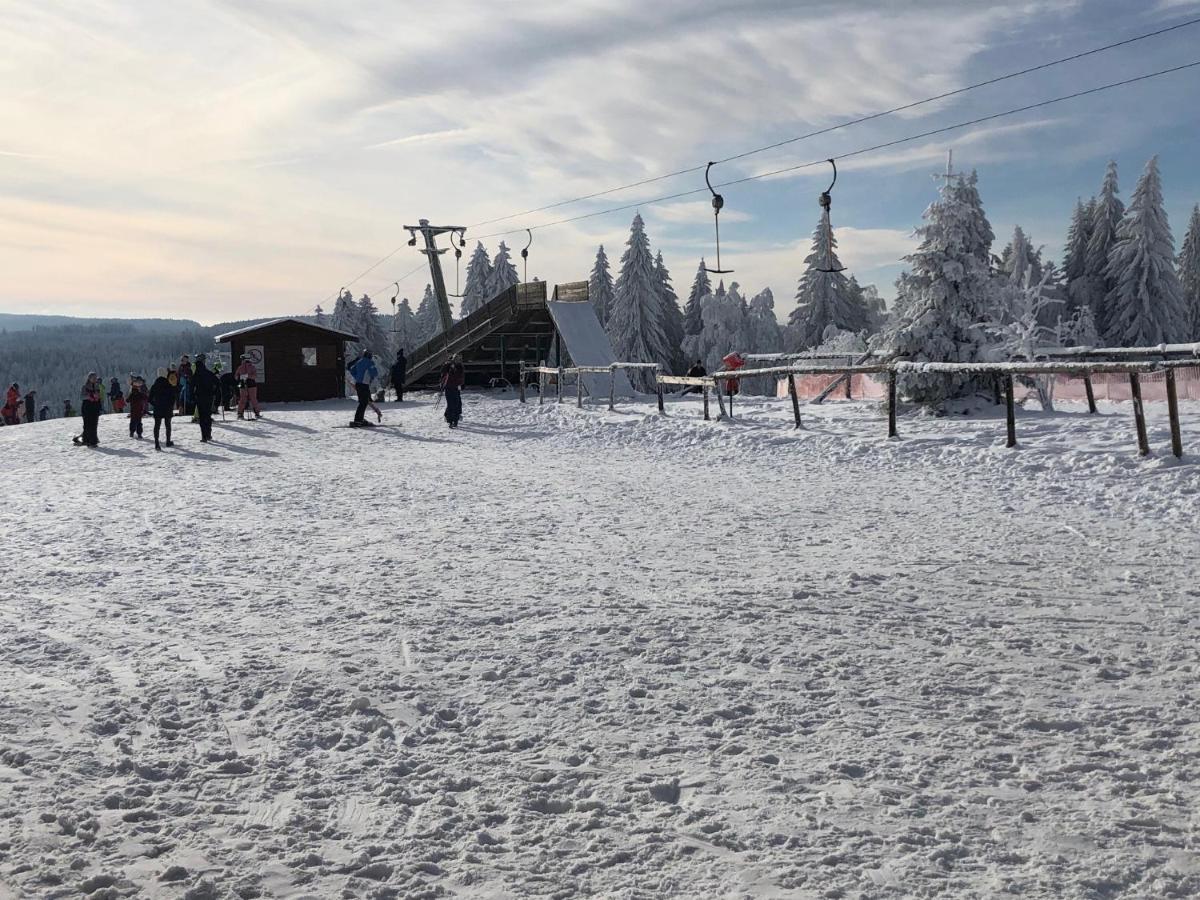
137	401
247	377
453	377
12	406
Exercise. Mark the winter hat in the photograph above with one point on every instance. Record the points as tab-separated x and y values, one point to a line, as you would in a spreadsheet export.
162	373
367	354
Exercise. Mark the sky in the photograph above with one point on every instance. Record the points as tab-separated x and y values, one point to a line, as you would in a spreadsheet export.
228	159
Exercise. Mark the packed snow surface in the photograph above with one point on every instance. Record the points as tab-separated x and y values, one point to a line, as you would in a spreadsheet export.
566	653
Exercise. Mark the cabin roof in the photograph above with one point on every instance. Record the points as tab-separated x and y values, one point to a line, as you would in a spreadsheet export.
261	326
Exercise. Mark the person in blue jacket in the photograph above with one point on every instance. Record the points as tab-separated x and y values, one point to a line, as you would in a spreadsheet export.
363	371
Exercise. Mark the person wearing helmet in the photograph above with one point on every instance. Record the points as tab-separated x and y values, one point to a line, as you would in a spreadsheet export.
247	376
363	371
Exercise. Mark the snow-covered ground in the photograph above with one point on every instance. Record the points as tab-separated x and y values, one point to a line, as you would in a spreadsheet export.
571	653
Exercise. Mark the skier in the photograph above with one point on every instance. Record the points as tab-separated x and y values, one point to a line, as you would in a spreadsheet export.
116	399
136	401
399	367
363	371
204	390
696	371
91	397
453	377
29	407
247	376
162	398
12	403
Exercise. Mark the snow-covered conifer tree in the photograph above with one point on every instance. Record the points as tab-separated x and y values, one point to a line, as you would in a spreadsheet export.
374	338
1075	256
428	319
1014	328
319	315
404	328
824	297
1146	304
1189	273
504	273
726	328
1106	218
346	318
765	334
944	298
701	287
479	280
600	286
671	317
635	321
1021	262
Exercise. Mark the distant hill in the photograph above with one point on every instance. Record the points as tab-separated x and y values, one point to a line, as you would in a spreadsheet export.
22	322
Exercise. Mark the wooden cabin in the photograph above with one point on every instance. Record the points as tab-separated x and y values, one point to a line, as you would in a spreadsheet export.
296	360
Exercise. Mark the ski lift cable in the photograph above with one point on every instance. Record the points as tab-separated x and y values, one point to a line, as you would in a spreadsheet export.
862	151
851	122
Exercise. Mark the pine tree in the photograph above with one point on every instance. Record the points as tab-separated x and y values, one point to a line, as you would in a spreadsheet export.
504	273
404	328
1075	255
319	315
346	318
726	328
671	317
479	279
374	338
634	323
1106	218
428	319
1189	273
1146	305
701	288
824	297
943	299
1021	262
600	286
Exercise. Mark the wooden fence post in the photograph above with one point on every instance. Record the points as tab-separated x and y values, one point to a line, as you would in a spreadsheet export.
706	416
996	390
541	384
612	388
729	390
662	410
1173	412
522	381
1139	414
558	387
891	403
1091	393
795	399
720	399
578	388
849	385
1010	411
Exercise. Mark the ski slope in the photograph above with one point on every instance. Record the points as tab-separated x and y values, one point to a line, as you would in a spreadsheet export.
572	653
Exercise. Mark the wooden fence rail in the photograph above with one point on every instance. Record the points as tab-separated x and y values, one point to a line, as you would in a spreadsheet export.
1004	372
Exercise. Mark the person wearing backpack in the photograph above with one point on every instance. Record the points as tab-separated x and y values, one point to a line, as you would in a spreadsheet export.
363	371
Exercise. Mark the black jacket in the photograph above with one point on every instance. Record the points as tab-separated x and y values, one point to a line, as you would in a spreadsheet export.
204	384
162	397
399	367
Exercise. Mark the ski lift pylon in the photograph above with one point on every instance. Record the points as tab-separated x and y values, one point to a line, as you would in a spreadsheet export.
525	253
718	203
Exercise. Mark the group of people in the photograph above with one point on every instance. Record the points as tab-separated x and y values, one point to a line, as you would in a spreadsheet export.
187	388
16	405
363	372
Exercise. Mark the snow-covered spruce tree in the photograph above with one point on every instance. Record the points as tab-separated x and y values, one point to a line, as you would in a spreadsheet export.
346	318
824	297
944	298
319	315
763	335
1146	305
1075	256
479	280
635	321
1189	273
504	273
726	328
428	317
701	288
404	328
1106	218
671	317
600	286
374	338
1020	261
1015	328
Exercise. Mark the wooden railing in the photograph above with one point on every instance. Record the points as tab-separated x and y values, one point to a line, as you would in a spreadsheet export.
563	371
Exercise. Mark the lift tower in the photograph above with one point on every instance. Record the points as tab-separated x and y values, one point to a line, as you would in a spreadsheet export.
435	263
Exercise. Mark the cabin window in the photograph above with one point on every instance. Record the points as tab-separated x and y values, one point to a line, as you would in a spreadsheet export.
308	355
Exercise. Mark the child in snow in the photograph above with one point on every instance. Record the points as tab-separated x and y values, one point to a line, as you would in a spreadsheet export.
137	408
116	399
